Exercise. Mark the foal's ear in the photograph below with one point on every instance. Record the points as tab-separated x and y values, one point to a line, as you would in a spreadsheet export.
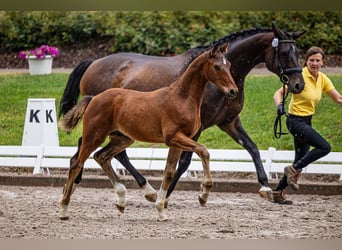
224	48
214	49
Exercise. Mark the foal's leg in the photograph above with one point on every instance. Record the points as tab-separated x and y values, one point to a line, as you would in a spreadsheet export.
171	163
183	165
117	143
104	156
185	143
79	176
76	164
237	132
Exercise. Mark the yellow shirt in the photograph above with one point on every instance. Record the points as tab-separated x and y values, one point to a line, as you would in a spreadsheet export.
304	103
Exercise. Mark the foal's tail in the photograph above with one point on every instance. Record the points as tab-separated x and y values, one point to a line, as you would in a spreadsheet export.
72	89
72	118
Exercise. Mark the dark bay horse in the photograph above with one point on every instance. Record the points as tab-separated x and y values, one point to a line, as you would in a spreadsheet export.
169	115
274	47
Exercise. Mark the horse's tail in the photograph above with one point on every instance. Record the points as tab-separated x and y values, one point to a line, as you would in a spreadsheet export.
72	118
72	89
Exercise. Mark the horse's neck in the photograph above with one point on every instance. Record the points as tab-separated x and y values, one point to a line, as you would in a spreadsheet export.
192	82
246	53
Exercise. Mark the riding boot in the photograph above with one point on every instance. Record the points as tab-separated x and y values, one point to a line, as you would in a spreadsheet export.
279	196
292	175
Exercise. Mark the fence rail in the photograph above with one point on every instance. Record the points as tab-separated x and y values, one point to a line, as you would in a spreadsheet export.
43	158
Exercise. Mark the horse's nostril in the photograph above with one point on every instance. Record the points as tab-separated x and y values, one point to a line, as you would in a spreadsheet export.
232	92
297	86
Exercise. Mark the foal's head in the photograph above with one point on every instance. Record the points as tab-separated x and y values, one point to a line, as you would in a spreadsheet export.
217	70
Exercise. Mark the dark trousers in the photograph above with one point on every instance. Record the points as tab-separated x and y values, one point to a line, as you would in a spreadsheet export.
304	138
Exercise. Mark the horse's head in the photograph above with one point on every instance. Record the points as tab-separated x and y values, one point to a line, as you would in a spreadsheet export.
217	70
283	59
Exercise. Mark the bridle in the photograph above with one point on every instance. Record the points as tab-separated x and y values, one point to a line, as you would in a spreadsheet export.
284	73
284	78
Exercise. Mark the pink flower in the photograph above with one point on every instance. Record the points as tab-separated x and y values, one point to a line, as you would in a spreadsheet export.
40	52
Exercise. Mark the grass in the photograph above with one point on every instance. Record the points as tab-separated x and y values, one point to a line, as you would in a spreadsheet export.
257	116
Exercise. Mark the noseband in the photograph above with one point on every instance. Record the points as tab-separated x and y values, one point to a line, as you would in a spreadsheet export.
284	78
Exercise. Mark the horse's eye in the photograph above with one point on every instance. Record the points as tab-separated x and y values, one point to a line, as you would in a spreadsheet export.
217	68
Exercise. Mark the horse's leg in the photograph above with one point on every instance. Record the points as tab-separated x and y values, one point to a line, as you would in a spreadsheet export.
150	192
171	163
117	143
183	165
185	143
76	164
237	132
79	176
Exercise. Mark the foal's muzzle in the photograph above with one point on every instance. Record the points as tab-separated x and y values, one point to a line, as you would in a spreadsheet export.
232	93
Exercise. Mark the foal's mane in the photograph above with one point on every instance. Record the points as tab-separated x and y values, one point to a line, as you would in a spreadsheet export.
197	51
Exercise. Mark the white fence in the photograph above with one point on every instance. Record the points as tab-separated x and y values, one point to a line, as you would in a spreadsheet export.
43	158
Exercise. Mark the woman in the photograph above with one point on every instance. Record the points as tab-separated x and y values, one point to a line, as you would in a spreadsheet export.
301	109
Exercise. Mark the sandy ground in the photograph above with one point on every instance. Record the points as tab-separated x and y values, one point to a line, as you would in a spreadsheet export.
32	213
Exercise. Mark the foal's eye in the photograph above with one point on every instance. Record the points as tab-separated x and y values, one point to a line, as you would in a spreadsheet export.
217	68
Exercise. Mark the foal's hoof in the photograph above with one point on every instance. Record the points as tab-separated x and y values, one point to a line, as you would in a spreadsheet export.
161	212
266	193
150	192
120	208
64	217
163	218
202	201
151	197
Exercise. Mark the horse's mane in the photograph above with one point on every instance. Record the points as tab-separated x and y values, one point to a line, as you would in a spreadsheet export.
197	51
242	34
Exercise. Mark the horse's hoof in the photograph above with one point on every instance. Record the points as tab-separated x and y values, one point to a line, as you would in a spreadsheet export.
63	212
202	201
120	208
162	215
151	197
64	217
150	193
161	211
163	218
266	193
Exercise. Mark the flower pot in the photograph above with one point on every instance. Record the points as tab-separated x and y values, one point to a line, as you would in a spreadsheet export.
40	66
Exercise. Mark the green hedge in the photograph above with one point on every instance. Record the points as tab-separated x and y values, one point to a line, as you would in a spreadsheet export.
161	32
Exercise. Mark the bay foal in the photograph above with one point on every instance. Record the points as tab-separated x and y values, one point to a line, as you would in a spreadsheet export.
169	115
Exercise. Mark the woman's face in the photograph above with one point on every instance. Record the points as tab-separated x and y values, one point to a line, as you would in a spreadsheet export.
314	63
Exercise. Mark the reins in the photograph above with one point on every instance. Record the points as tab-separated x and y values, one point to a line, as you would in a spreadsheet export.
277	123
284	78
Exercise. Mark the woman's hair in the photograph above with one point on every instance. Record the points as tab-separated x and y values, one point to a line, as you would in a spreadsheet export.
312	51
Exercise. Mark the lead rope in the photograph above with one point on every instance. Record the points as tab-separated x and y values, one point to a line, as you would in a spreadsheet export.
277	123
285	80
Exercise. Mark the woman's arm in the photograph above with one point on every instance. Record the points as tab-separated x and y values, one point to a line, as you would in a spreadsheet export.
335	95
278	96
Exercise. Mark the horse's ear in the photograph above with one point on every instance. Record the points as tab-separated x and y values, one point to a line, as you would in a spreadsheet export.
277	32
214	49
297	34
224	48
